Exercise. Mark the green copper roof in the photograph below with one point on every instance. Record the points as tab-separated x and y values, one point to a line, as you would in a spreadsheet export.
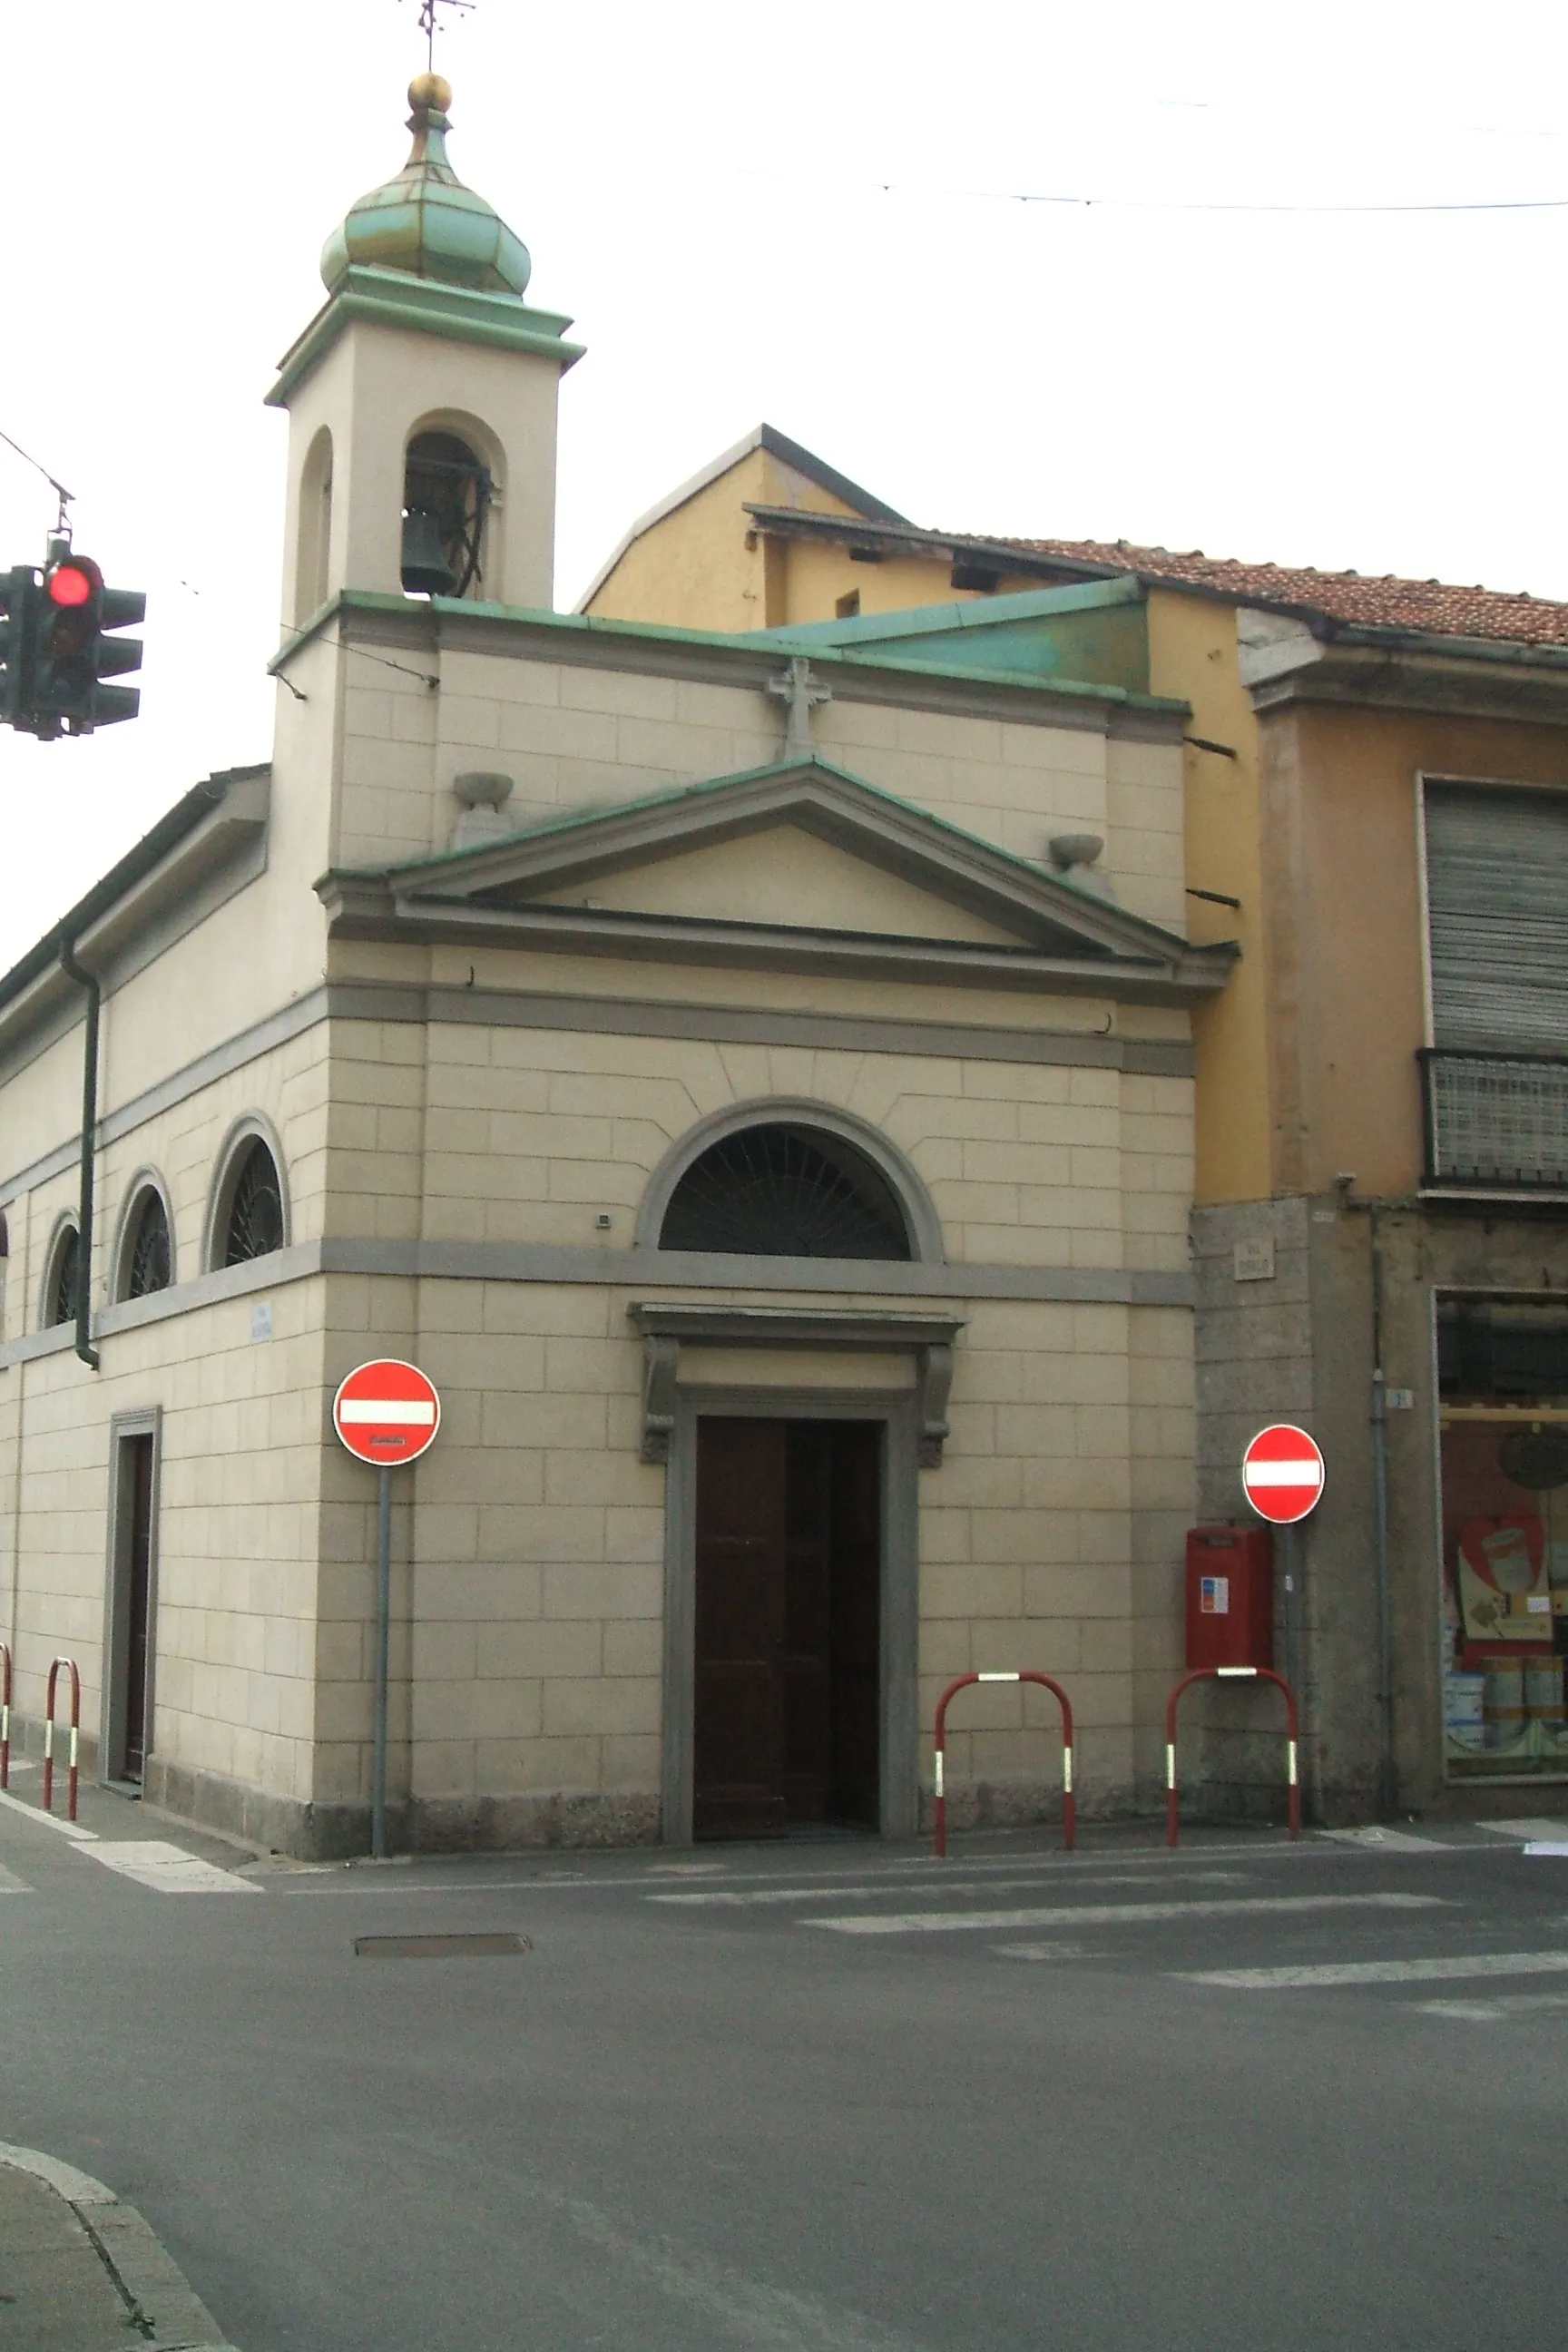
426	223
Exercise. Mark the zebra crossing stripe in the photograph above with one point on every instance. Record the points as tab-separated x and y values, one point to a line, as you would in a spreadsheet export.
1371	1972
1115	1914
168	1869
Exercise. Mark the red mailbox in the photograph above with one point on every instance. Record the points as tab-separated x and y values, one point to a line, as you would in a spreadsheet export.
1230	1597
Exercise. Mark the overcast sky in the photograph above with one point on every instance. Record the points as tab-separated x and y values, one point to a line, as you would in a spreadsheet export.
804	214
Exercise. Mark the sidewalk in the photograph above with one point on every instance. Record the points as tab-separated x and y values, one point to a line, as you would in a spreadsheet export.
79	2271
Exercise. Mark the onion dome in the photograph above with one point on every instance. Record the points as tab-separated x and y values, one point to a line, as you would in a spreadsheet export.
426	222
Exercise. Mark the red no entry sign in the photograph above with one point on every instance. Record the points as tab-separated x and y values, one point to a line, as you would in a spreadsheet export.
1282	1472
387	1412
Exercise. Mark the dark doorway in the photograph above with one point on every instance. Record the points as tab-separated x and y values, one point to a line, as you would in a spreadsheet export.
786	1728
133	1608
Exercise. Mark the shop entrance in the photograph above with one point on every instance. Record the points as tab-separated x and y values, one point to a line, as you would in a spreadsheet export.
1503	1455
786	1690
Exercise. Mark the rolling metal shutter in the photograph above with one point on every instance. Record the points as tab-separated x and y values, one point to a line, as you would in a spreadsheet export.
1497	891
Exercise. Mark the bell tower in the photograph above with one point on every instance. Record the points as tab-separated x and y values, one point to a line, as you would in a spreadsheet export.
422	399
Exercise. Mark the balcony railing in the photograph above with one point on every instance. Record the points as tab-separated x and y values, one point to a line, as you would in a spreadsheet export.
1496	1122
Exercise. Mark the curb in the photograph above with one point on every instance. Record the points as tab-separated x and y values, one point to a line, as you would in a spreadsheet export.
161	2305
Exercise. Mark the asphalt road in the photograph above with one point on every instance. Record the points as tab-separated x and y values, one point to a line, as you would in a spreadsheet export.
831	2097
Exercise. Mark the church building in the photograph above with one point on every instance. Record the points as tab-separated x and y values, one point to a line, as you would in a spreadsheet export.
754	1082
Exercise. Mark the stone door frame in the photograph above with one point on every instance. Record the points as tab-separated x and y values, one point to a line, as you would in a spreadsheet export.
899	1592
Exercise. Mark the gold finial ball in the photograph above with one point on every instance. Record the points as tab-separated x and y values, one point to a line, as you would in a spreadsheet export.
431	91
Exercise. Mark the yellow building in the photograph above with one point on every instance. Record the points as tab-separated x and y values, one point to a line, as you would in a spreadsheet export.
1375	798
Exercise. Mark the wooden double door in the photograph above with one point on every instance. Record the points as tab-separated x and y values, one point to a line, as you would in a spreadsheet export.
787	1684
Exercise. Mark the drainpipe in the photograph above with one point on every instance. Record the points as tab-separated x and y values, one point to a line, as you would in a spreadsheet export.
85	978
1379	1417
1387	1778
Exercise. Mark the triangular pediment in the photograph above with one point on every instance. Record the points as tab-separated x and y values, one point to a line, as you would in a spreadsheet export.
782	874
700	836
780	864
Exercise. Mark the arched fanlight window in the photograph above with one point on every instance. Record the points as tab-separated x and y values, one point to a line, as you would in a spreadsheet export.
59	1291
782	1190
149	1254
253	1227
446	497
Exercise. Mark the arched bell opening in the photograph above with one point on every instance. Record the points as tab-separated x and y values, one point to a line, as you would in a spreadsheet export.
446	496
313	569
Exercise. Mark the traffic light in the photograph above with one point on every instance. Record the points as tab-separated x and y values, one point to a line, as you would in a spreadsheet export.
18	643
74	652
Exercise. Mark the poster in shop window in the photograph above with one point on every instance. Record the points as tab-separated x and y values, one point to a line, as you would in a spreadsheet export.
1504	1595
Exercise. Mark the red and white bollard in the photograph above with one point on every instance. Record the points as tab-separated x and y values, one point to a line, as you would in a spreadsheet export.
1024	1675
1292	1736
71	1667
5	1715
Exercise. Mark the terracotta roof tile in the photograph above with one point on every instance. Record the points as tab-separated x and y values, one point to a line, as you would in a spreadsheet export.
1434	606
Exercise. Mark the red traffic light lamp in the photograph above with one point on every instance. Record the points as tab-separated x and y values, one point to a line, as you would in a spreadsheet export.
72	581
76	652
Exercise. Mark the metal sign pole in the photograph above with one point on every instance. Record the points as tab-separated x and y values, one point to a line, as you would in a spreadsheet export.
385	1413
1292	1605
383	1649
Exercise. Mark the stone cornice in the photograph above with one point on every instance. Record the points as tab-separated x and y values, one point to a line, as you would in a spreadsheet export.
421	629
1385	670
863	1280
666	1325
363	907
392	297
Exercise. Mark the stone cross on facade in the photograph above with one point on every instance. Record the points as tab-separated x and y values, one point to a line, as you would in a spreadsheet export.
800	690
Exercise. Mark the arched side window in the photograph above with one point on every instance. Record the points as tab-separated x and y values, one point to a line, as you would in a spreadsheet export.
784	1190
248	1208
60	1277
251	1223
147	1249
446	492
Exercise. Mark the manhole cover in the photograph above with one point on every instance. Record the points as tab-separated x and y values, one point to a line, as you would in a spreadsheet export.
440	1948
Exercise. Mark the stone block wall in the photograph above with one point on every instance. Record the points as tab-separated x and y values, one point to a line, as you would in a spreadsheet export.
573	736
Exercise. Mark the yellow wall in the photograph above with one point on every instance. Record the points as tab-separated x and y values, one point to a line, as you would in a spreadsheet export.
703	566
1344	894
818	573
693	569
1193	656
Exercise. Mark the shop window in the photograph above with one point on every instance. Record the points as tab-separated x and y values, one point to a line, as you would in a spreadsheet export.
1503	1452
782	1190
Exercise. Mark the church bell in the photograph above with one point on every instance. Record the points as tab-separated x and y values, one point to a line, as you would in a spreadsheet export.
426	571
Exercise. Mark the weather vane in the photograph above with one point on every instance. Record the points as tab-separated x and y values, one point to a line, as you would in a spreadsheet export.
428	21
